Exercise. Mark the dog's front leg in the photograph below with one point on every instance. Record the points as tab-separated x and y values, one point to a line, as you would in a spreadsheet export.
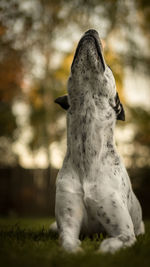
69	216
115	218
136	214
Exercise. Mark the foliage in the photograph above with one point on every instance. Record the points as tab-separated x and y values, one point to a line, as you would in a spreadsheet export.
141	119
31	34
27	242
7	120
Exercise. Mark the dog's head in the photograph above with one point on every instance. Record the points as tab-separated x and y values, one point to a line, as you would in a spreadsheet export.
90	73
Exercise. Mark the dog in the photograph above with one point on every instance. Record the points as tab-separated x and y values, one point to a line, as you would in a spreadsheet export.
93	190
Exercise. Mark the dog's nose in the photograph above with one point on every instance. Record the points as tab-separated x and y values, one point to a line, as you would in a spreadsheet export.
91	32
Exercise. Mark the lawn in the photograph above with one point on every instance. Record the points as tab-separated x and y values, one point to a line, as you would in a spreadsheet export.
28	242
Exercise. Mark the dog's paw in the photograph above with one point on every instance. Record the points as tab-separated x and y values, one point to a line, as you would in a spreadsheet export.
74	250
78	250
110	245
72	247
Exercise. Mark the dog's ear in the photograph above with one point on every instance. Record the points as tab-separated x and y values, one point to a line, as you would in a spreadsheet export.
120	113
63	101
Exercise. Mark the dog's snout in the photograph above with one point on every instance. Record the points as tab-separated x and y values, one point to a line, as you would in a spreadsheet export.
90	50
91	32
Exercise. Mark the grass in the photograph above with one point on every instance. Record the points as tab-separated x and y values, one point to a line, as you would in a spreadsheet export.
28	242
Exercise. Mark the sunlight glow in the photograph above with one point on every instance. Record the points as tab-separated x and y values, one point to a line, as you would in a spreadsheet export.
136	89
57	153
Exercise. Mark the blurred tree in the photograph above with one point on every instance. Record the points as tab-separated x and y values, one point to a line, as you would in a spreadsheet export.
144	10
32	34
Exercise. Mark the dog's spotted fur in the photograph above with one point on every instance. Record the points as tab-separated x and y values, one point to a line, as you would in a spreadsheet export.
93	190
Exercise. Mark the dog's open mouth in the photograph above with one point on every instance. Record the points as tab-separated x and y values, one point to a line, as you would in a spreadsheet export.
90	35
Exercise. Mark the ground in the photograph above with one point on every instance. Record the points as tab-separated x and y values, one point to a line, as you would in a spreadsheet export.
28	242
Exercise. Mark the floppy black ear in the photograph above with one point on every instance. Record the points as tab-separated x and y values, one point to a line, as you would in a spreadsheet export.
63	101
119	109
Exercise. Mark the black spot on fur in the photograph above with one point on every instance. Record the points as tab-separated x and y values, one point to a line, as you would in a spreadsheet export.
107	220
83	137
128	195
98	214
69	210
83	149
84	119
114	204
109	145
116	161
100	94
108	116
123	183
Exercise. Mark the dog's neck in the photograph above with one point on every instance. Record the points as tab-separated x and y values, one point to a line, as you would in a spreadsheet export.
90	131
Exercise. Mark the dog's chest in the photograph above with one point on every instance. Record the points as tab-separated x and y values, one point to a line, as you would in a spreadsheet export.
89	129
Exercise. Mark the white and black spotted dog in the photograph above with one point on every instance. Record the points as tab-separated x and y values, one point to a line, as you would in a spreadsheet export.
93	189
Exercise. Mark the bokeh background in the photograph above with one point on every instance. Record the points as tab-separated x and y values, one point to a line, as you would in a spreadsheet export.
37	42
